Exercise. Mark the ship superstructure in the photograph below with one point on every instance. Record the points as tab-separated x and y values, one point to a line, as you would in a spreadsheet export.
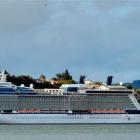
9	88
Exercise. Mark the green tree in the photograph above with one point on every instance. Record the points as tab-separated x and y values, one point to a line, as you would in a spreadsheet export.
42	78
129	87
63	76
67	75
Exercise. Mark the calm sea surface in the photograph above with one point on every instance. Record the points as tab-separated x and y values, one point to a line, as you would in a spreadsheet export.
69	132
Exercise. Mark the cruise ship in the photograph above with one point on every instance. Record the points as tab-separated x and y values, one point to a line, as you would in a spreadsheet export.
104	105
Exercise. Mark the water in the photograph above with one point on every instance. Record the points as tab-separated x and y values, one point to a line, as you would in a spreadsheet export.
69	132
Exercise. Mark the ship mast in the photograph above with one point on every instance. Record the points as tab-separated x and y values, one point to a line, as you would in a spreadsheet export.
3	76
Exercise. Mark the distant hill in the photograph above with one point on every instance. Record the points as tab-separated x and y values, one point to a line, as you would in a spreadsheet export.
135	84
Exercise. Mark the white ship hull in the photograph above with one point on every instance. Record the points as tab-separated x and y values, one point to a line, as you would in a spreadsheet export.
69	118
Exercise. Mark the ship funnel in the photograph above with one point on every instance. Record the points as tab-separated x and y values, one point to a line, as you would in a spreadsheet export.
82	79
109	80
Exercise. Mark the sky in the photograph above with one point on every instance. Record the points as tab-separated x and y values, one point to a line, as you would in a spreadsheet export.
95	38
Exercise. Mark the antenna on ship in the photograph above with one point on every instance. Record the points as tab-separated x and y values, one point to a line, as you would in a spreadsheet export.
109	80
3	76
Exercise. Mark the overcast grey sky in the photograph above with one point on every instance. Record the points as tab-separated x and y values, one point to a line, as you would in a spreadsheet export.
91	37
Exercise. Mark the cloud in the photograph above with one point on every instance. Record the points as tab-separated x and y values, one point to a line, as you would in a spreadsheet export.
20	15
95	38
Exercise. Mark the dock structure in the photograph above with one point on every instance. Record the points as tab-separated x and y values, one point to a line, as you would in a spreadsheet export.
67	102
